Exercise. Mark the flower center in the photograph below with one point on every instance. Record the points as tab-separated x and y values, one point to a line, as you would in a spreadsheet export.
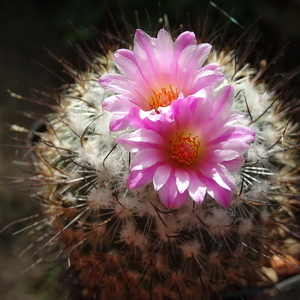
162	98
184	149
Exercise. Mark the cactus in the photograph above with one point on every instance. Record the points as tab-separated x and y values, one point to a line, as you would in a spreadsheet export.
120	243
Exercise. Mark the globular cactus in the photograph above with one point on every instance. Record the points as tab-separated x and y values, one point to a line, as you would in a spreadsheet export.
121	243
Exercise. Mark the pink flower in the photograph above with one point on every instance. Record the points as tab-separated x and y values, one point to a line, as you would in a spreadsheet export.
155	73
191	150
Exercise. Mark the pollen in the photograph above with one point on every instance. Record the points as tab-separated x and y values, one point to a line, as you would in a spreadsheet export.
184	149
162	98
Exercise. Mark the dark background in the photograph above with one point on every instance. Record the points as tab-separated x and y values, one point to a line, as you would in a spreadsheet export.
26	27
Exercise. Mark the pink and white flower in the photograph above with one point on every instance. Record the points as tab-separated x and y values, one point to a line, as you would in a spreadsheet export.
155	73
191	150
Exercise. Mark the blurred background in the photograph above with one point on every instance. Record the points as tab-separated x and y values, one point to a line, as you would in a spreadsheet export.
28	27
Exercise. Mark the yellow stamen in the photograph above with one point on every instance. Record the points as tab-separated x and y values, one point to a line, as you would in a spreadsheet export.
162	98
184	149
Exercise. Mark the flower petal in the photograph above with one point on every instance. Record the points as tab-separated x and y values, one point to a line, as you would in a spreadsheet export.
197	189
221	155
140	139
182	180
161	176
219	174
140	178
163	53
116	83
206	79
116	103
234	165
118	122
222	196
223	100
170	196
143	51
145	159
